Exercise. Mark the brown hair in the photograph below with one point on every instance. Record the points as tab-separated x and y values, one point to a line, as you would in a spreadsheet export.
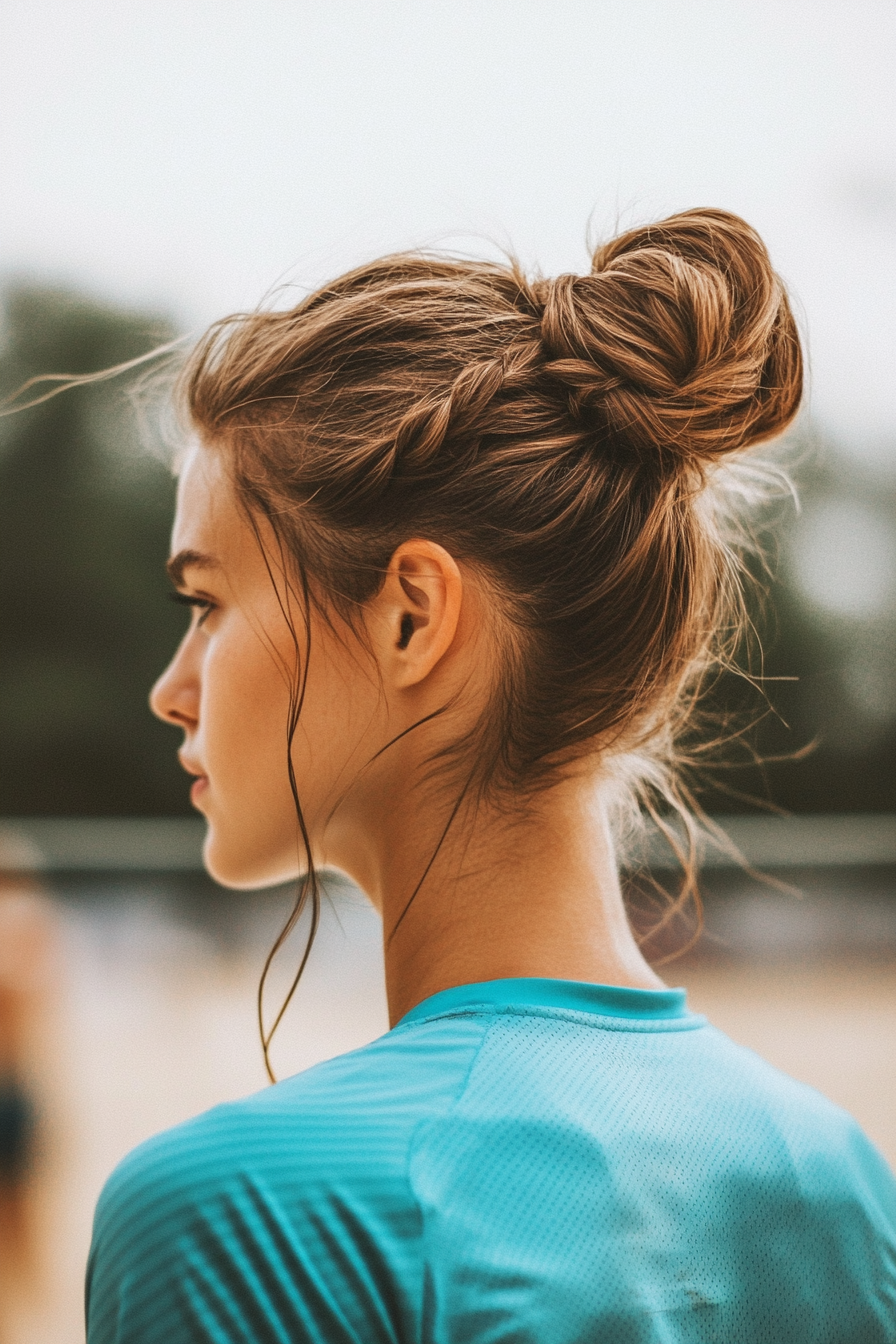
562	436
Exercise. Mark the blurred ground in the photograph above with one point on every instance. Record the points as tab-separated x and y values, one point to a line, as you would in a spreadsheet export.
151	1018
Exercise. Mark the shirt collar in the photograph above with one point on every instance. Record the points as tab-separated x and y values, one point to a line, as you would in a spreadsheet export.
577	995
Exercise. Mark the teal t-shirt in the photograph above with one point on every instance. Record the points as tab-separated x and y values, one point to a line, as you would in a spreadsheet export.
521	1160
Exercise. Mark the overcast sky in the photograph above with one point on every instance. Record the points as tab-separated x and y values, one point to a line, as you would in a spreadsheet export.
190	154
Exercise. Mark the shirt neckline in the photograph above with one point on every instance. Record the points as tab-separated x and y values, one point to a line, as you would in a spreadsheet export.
577	995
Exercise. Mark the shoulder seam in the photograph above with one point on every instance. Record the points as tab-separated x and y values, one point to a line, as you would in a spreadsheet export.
412	1149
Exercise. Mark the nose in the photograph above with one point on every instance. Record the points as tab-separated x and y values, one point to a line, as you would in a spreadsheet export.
175	696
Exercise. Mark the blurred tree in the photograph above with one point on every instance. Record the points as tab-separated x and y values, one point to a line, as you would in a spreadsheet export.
85	514
823	707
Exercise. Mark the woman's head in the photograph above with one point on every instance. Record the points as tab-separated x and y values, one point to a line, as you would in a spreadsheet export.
555	440
232	686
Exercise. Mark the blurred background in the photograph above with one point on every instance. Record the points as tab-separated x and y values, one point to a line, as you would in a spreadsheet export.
165	164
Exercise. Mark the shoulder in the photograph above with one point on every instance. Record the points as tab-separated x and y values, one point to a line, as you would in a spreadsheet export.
347	1120
290	1211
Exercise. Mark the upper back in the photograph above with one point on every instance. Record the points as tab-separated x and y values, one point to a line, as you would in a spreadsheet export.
498	1168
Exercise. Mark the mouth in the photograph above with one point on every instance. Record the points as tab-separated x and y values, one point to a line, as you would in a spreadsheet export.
200	783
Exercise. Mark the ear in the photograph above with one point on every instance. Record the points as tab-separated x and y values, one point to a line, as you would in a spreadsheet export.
416	612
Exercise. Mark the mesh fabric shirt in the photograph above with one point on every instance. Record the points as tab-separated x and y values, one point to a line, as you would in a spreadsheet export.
520	1160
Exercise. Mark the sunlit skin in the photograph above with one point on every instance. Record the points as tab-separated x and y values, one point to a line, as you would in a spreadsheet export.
504	897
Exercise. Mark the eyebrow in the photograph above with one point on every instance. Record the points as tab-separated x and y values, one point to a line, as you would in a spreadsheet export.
188	560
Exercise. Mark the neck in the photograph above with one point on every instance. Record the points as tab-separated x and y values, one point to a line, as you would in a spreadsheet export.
505	897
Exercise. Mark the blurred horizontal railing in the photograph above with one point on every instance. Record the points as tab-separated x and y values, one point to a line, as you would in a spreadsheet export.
174	844
835	841
101	844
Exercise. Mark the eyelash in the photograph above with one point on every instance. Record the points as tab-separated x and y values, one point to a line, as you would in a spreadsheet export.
201	603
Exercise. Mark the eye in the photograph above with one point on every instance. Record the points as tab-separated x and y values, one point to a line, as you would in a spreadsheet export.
202	604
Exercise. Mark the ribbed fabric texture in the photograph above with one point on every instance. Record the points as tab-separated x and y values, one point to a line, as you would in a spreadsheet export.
519	1161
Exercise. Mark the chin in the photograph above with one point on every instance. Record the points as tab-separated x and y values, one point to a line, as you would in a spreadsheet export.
240	865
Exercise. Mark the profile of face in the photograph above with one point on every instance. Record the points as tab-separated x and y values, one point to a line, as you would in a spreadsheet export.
229	688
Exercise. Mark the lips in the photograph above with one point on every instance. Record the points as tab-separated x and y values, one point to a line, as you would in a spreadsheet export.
200	784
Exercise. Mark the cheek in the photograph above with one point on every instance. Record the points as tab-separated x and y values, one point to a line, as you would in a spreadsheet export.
339	730
242	742
244	712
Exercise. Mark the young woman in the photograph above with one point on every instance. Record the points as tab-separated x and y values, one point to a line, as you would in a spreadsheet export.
455	543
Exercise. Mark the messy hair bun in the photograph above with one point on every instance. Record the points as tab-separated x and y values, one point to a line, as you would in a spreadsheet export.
561	436
680	344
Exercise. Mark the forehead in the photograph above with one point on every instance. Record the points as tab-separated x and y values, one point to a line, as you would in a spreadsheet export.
205	502
208	521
